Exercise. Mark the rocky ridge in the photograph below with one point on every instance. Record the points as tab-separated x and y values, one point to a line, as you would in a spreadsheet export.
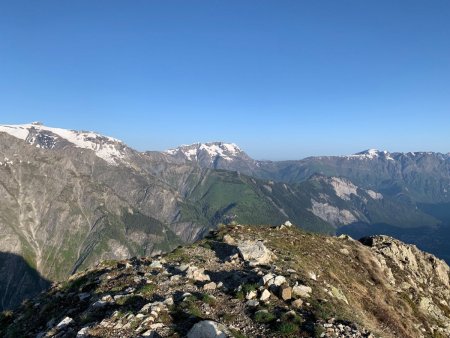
248	281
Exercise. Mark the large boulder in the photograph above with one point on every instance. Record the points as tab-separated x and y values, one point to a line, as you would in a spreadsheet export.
208	329
254	252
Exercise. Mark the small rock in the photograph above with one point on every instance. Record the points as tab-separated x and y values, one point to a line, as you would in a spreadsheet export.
302	291
279	280
64	323
285	292
297	303
117	297
229	240
83	333
210	286
107	298
288	224
146	307
156	265
183	267
312	275
265	295
197	274
99	304
168	301
175	278
344	251
252	303
251	295
267	278
186	294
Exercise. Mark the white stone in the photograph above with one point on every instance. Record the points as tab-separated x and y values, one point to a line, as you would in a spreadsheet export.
279	280
83	333
64	323
265	295
302	291
156	265
267	278
251	295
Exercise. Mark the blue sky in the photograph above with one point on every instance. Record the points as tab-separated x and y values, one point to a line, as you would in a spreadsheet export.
283	79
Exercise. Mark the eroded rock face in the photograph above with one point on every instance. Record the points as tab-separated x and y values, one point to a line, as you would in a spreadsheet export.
421	275
409	258
254	252
208	329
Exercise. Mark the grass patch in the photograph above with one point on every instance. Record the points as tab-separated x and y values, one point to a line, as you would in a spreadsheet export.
246	288
178	255
290	325
237	334
129	300
147	290
74	286
322	310
190	307
228	317
208	299
264	316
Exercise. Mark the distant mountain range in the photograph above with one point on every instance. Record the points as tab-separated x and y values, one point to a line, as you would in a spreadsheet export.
71	198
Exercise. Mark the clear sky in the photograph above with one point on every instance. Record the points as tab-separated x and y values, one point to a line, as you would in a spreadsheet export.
283	79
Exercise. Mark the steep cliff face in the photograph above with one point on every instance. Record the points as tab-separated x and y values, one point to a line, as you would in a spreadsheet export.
255	282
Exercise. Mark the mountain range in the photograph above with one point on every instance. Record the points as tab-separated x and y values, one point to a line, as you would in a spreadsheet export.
72	198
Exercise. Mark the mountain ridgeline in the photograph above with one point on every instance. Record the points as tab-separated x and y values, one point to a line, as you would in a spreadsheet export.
73	198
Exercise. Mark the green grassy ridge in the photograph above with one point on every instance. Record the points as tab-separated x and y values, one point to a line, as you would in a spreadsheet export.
222	193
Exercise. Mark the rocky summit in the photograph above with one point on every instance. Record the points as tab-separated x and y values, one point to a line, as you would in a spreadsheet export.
250	281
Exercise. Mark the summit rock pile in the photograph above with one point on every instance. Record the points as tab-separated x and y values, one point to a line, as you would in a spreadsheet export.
247	281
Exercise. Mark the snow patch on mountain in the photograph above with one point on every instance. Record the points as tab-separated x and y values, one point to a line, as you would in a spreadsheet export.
104	147
192	152
371	154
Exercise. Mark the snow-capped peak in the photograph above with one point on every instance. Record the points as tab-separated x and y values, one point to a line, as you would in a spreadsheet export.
36	133
372	154
192	152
